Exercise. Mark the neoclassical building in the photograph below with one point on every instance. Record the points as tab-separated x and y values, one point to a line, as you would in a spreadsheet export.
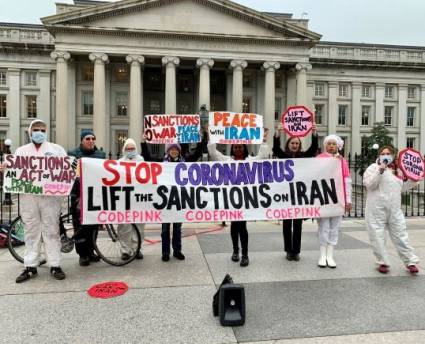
103	65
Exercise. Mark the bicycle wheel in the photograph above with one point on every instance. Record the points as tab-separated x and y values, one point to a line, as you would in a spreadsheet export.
117	246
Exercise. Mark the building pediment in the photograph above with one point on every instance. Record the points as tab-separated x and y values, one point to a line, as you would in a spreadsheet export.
205	18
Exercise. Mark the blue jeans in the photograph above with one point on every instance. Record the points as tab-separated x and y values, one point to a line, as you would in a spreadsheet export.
177	238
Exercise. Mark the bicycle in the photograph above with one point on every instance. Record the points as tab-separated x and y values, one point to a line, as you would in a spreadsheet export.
108	242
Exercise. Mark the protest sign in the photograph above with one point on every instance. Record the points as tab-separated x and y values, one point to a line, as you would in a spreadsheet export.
235	128
39	175
412	164
297	121
148	192
172	128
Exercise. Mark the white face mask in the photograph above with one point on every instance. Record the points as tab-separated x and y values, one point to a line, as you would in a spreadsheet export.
131	154
386	159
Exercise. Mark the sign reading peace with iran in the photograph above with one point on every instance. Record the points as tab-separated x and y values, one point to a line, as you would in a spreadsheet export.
412	164
297	121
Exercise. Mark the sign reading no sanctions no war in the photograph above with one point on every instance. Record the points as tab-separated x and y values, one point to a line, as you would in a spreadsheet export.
232	127
172	128
297	121
148	192
39	175
412	164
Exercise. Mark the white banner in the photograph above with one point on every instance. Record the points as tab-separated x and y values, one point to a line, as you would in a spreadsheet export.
235	128
148	192
39	175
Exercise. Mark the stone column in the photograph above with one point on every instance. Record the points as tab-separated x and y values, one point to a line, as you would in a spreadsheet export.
302	69
422	120
62	129
270	97
14	107
237	90
333	107
402	114
170	63
44	99
72	117
99	99
291	87
135	128
379	102
204	81
356	114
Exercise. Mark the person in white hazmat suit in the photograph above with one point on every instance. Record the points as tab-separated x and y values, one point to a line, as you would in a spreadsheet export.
130	153
40	214
384	184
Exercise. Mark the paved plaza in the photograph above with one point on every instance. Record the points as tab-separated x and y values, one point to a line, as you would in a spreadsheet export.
286	302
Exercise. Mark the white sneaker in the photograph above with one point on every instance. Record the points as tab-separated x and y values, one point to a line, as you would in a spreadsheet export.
330	256
322	259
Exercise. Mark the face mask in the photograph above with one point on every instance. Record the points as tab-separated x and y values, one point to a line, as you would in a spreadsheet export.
386	158
131	154
38	137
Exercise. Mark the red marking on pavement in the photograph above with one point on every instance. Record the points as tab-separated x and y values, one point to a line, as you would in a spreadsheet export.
107	290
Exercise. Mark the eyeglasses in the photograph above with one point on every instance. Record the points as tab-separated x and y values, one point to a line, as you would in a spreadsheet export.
90	138
42	130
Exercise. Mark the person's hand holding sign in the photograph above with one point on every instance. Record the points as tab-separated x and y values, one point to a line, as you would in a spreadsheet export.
266	133
278	129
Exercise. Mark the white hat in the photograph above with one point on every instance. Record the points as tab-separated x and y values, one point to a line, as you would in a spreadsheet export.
336	138
8	142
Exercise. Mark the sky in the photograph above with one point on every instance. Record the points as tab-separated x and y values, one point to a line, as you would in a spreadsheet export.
399	22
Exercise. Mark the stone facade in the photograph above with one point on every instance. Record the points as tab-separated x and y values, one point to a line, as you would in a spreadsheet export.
101	65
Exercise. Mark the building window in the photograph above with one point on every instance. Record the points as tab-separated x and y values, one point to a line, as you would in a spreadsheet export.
154	106
388	115
246	104
342	114
365	148
278	108
121	100
365	114
410	142
121	73
410	116
88	73
389	91
411	92
343	90
87	101
2	77
366	91
318	115
319	89
31	103
30	78
278	81
3	105
184	108
120	138
248	80
2	139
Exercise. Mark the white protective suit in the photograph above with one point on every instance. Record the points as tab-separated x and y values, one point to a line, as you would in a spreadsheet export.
124	230
40	214
383	209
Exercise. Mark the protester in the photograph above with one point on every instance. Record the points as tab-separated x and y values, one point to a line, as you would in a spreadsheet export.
6	150
292	228
129	153
84	234
329	226
40	214
238	228
385	183
173	153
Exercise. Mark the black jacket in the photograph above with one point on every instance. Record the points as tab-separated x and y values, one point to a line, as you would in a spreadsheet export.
309	153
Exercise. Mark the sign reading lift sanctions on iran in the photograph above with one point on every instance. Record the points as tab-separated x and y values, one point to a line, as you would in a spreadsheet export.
148	192
412	164
232	127
297	121
172	128
39	175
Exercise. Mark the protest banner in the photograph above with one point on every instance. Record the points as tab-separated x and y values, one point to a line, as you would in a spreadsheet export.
39	175
148	192
235	128
297	121
412	164
172	128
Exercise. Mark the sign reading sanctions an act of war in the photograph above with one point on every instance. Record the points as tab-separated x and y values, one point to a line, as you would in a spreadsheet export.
39	175
145	192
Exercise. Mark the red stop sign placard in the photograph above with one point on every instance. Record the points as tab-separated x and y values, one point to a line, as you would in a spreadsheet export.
297	121
412	164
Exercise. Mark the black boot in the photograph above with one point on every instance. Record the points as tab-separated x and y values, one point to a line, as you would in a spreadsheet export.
57	273
28	273
244	261
235	256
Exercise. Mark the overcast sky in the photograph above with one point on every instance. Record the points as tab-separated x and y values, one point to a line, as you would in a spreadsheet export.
398	22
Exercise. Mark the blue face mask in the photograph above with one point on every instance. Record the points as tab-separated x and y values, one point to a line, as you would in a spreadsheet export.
131	154
38	137
386	158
